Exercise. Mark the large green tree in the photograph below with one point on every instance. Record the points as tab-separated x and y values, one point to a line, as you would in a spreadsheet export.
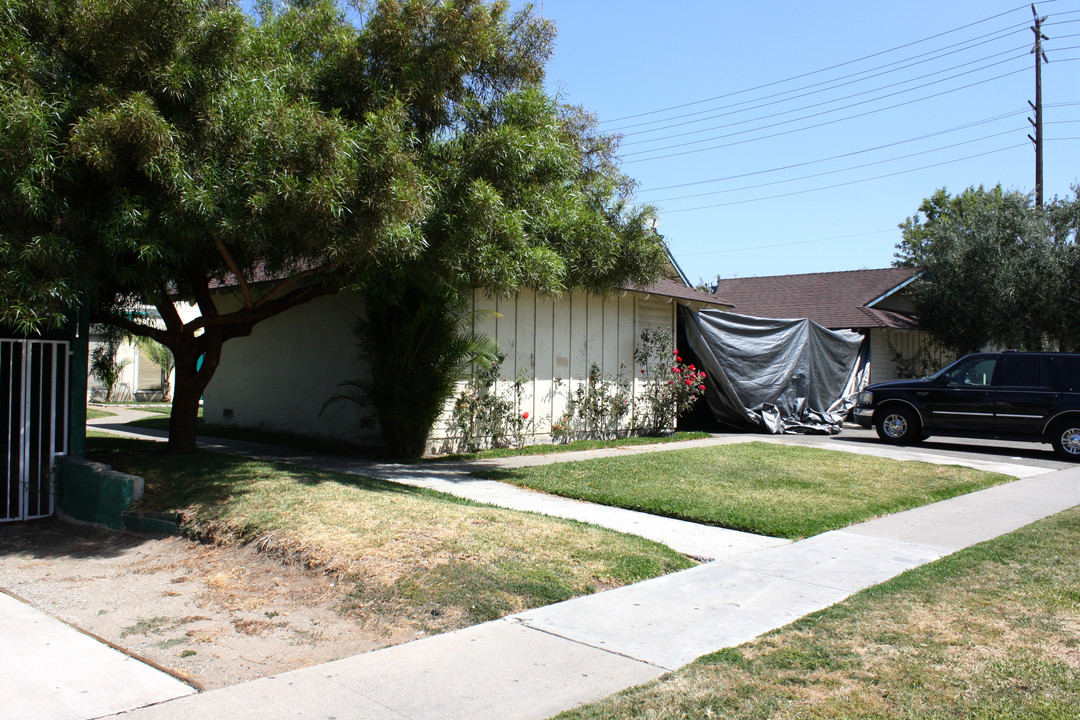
160	149
1000	270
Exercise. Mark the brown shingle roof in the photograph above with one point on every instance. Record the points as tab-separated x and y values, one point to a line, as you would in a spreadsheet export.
669	287
834	299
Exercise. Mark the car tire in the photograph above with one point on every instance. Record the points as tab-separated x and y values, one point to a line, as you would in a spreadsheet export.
898	425
1065	437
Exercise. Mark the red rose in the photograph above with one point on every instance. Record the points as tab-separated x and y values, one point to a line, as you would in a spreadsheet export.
701	388
692	366
525	415
678	359
702	375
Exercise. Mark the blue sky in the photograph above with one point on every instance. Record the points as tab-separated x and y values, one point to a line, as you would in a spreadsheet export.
915	122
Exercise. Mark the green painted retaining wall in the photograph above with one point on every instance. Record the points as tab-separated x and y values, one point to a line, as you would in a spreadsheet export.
93	493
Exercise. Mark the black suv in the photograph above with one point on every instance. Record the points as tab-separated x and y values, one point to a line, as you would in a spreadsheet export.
1007	395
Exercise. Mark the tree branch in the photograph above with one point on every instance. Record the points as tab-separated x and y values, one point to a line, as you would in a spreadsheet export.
167	310
139	329
240	280
291	280
243	320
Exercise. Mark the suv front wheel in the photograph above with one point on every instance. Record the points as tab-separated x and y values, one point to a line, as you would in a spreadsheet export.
1065	437
898	425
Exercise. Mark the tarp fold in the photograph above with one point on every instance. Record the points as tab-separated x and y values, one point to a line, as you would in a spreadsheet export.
781	376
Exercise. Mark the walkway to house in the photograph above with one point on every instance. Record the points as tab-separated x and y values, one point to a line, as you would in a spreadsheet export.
537	663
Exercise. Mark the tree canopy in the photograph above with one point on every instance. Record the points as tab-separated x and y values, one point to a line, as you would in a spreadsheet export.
154	150
1000	270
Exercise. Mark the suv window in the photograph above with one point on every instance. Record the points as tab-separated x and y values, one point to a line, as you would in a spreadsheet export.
1070	373
976	371
1025	371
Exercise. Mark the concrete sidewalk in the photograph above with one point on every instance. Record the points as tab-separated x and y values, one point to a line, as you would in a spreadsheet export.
537	663
48	669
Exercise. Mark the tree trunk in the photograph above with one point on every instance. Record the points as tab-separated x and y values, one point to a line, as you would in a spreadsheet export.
191	376
182	420
191	382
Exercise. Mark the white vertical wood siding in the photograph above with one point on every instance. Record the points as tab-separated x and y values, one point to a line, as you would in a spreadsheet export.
885	342
279	377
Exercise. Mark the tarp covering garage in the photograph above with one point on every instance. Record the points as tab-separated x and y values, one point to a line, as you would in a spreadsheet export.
780	376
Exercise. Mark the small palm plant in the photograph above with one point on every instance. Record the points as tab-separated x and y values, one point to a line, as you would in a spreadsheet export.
417	344
163	358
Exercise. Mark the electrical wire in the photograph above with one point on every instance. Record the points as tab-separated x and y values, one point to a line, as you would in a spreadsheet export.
845	184
657	201
809	127
1022	55
826	69
956	128
1000	35
835	172
788	244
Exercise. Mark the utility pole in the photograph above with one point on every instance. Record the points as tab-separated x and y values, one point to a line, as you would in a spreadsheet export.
1036	107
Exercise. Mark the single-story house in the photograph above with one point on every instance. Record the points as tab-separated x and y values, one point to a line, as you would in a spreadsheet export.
281	376
876	303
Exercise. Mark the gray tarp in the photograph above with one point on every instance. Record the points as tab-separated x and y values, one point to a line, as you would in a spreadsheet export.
782	376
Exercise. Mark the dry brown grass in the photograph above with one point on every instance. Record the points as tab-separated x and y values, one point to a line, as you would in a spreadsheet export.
412	557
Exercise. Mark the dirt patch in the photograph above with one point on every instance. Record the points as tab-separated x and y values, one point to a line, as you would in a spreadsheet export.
219	615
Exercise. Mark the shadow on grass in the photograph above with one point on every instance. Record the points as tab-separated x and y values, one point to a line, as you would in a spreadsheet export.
266	437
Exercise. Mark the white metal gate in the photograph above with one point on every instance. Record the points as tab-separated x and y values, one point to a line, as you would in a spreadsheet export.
33	423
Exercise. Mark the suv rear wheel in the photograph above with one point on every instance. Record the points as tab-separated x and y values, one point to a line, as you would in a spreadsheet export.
1065	437
898	425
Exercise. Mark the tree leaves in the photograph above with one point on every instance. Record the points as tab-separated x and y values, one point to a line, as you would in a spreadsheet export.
1000	271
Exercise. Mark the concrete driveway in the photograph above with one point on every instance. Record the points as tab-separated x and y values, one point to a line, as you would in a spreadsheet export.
1031	454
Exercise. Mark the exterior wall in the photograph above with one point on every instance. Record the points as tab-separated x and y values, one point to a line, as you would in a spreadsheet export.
279	377
555	342
884	343
139	377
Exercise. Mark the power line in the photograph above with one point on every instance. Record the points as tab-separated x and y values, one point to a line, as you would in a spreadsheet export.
835	109
845	184
826	69
1023	54
853	167
999	34
809	127
837	171
788	244
984	121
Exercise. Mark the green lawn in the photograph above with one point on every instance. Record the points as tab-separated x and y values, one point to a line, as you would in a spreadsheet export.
95	413
413	557
779	490
990	632
576	445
